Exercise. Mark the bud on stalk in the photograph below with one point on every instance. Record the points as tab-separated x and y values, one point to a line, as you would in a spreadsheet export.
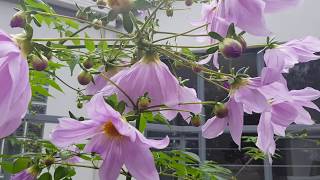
19	20
39	63
220	110
230	48
84	78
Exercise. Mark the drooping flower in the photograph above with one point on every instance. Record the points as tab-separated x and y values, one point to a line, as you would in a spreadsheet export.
247	15
285	56
113	138
151	76
233	120
15	93
99	81
28	174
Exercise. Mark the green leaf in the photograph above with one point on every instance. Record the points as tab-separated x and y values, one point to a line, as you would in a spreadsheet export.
216	36
103	45
39	4
121	107
231	31
75	41
212	49
45	176
89	43
71	23
144	118
53	84
21	164
60	173
127	22
40	90
112	101
7	166
72	62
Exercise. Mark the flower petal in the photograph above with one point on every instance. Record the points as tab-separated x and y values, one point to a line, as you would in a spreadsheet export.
265	140
214	127
278	5
70	131
139	161
158	144
235	120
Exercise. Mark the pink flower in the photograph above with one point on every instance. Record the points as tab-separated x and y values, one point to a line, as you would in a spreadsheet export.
284	109
234	120
28	174
113	138
150	75
15	93
278	5
99	81
285	56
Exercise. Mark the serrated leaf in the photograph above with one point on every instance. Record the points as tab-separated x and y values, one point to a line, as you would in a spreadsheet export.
53	84
89	43
144	118
40	90
127	22
60	173
216	36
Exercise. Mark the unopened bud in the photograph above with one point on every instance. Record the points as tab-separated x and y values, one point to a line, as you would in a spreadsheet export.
220	110
196	68
19	20
230	48
97	24
39	63
144	102
88	64
101	4
169	12
84	78
188	2
79	105
196	120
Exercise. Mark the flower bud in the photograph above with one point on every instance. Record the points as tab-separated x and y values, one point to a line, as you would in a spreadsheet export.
88	64
230	48
196	120
48	161
101	4
97	24
84	78
79	105
19	20
188	2
220	110
196	68
169	12
39	63
120	6
24	43
144	102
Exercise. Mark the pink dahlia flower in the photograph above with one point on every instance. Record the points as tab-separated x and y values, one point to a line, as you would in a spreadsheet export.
285	56
150	75
234	120
15	93
113	138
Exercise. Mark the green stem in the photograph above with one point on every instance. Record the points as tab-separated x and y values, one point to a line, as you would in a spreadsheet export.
172	33
80	20
215	83
151	15
180	34
79	38
177	46
75	33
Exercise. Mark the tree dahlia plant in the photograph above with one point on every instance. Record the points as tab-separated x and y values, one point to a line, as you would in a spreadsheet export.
128	80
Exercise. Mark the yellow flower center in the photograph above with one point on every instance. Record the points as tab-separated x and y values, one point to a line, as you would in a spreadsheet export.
110	130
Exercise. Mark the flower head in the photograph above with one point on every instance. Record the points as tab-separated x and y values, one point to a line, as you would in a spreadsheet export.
113	138
151	76
15	93
285	56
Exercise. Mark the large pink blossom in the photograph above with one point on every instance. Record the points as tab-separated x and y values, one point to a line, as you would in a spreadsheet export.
285	107
151	76
285	56
15	92
113	138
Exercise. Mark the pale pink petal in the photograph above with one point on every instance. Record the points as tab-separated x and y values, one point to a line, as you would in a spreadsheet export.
139	161
70	131
214	127
235	120
252	99
99	143
265	140
151	143
283	114
303	116
278	5
110	169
